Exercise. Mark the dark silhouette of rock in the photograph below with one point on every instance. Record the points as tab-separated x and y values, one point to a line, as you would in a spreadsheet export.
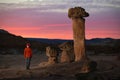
12	44
10	40
77	15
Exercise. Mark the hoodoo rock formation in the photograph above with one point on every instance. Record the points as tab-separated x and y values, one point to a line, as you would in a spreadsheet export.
67	52
77	15
51	52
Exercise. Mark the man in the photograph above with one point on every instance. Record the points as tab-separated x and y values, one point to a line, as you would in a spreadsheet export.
27	55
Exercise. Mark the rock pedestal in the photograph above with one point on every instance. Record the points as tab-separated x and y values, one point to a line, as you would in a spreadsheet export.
78	23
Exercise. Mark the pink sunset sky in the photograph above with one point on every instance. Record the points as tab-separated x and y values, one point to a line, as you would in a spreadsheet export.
49	19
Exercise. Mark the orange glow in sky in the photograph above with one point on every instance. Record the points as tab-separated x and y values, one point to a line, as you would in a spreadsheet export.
46	20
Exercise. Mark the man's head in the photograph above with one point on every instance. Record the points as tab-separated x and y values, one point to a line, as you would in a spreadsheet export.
28	45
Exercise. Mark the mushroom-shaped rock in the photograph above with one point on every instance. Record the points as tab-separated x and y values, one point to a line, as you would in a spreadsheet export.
77	15
67	54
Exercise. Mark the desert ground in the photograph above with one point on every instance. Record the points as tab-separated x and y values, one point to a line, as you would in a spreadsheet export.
12	67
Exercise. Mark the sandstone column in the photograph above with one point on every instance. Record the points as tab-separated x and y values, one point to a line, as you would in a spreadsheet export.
77	15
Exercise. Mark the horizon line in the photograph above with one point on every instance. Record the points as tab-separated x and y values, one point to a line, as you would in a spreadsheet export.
70	39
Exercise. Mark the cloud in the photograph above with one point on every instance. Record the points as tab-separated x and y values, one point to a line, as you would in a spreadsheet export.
63	5
49	17
11	1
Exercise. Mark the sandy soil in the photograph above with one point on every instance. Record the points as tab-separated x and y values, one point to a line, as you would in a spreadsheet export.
18	62
12	67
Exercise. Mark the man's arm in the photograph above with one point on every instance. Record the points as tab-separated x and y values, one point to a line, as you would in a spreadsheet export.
25	53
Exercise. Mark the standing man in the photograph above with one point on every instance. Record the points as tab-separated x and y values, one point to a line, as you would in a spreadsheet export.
27	55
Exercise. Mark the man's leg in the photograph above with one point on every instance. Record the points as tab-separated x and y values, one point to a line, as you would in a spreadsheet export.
29	60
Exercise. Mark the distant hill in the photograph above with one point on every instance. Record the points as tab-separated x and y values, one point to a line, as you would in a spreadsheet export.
96	45
103	41
48	41
10	40
95	41
13	42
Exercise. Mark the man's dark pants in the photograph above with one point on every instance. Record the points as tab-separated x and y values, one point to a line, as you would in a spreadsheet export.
28	60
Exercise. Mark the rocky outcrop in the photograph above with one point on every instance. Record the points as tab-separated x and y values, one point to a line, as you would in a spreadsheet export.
77	15
51	52
67	54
